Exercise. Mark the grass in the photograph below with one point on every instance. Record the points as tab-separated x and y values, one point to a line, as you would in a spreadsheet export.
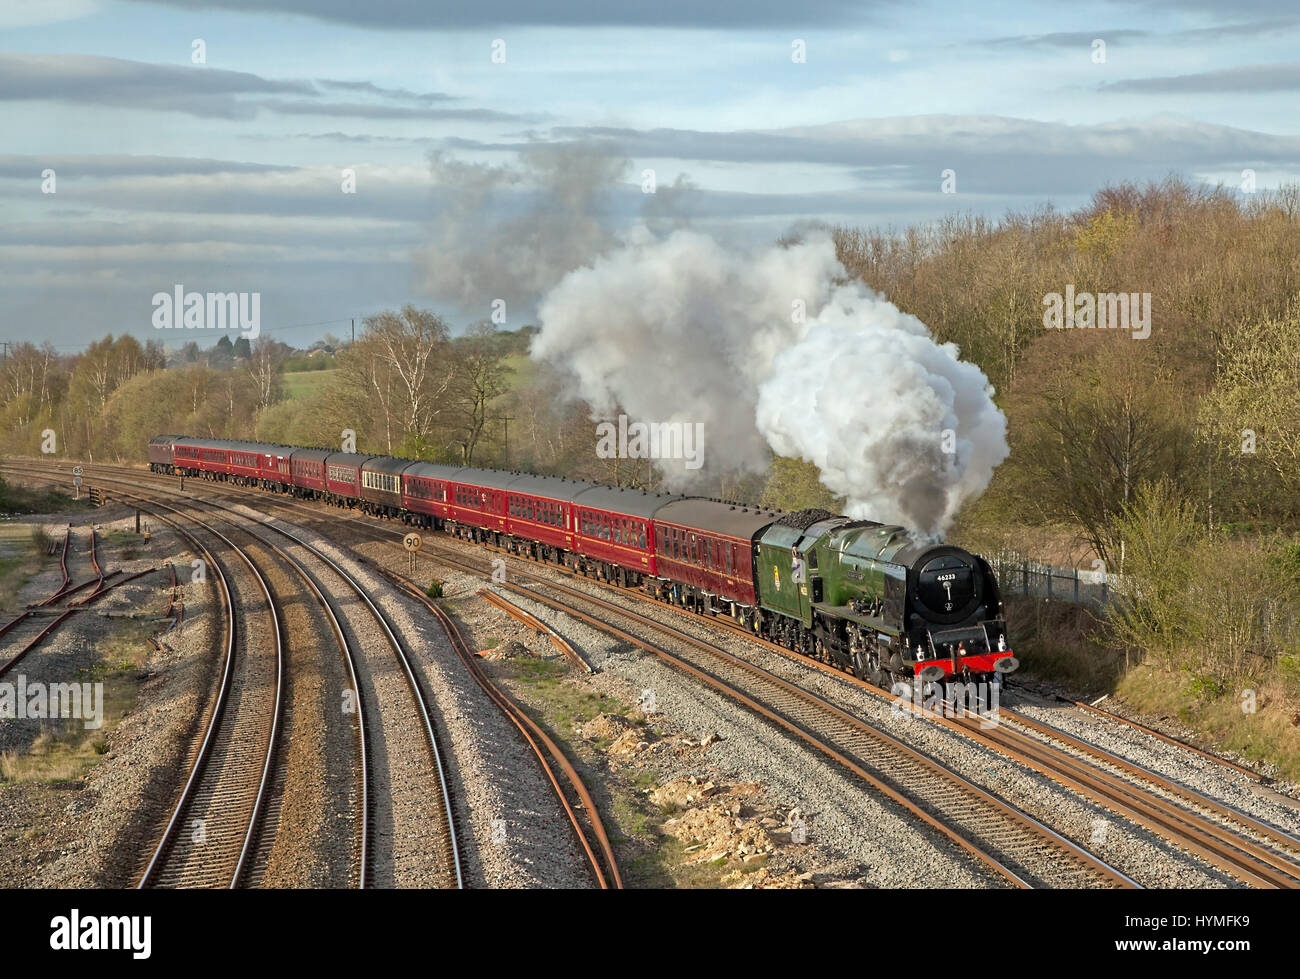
17	563
24	499
567	704
522	371
64	750
1064	645
1214	707
666	866
304	384
648	857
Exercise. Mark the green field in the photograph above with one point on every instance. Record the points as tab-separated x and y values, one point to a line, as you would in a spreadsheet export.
303	384
522	369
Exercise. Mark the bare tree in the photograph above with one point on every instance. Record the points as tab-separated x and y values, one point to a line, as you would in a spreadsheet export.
263	367
397	377
481	380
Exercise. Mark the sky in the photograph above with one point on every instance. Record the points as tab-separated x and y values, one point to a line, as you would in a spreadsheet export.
208	144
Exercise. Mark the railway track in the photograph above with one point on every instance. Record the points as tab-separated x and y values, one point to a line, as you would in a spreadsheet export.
1093	709
371	701
1251	851
1255	853
40	620
1014	846
385	688
589	830
575	798
208	840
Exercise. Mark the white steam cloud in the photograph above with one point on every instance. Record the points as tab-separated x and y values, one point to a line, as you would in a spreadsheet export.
775	349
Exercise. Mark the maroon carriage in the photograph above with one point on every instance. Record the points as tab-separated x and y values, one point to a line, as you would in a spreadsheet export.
706	547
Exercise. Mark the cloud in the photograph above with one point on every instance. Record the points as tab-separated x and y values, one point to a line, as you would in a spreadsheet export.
370	88
74	166
1083	39
1064	39
24	13
95	80
1215	7
369	110
208	92
384	193
991	154
1281	77
451	14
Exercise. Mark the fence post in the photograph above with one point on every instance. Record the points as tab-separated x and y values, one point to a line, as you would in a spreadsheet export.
1076	586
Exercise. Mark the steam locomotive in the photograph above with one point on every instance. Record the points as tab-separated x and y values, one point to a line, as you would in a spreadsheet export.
862	596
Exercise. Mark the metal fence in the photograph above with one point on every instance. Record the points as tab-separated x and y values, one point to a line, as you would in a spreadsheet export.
1019	575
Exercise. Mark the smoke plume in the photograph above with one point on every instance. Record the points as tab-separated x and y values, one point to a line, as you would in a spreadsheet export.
775	349
770	350
511	232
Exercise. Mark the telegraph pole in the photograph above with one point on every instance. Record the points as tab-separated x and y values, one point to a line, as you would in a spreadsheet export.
506	420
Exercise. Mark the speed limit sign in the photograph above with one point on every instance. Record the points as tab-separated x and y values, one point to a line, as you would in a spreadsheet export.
412	544
78	471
